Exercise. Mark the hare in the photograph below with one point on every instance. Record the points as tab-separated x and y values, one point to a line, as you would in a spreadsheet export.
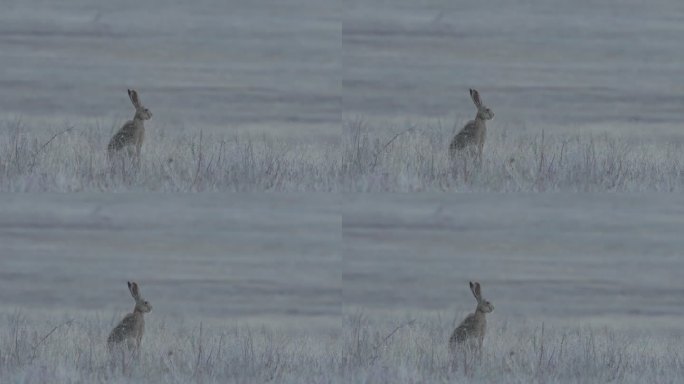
133	131
475	131
131	328
473	327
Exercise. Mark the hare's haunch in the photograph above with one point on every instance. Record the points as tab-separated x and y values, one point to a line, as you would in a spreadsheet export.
472	329
474	132
132	327
132	133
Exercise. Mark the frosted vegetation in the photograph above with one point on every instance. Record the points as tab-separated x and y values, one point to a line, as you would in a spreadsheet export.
415	158
245	287
402	351
74	159
311	96
53	350
414	351
370	159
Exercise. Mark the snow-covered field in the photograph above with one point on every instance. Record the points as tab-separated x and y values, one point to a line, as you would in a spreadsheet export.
335	104
361	96
259	274
343	288
599	81
600	273
258	81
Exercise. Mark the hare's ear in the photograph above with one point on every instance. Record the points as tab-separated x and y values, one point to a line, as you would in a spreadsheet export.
476	97
134	97
475	288
133	287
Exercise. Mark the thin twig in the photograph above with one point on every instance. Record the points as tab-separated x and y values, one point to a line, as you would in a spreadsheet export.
35	347
35	155
541	351
199	351
199	162
384	340
387	144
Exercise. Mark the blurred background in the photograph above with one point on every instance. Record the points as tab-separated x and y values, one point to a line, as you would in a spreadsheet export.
260	260
593	259
562	66
268	67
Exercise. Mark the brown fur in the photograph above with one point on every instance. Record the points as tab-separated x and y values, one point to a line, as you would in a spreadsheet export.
132	134
474	133
472	329
132	327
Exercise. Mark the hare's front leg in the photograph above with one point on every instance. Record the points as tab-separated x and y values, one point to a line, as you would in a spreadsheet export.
480	341
138	147
480	146
135	343
453	358
131	344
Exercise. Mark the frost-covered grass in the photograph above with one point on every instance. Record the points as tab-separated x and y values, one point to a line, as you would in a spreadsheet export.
73	350
415	351
370	159
405	350
74	159
415	159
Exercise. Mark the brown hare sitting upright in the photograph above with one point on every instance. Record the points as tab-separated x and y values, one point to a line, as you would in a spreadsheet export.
470	333
474	132
132	327
133	131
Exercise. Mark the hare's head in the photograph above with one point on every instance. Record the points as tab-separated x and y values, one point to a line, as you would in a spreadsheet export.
141	112
483	111
483	305
141	305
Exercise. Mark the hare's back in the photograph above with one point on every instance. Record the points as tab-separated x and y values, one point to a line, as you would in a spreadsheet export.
123	330
467	329
123	137
467	136
459	335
